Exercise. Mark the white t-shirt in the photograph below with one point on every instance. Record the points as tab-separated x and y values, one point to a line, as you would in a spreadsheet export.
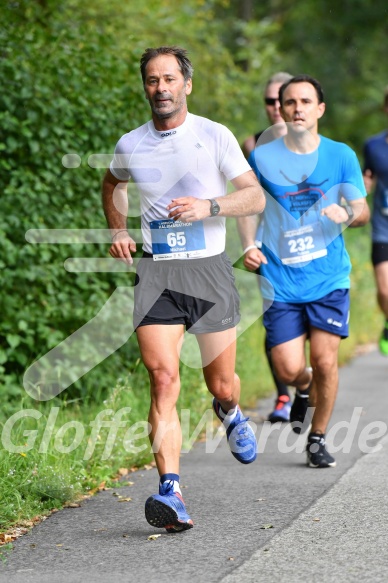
195	159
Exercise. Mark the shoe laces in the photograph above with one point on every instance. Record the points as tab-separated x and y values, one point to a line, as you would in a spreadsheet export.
167	488
243	430
316	444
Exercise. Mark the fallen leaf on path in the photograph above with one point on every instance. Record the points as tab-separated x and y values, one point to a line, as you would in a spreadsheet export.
154	536
265	526
98	488
123	471
260	499
124	499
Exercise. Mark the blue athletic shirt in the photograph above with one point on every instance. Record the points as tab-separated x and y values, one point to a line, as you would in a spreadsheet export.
306	253
376	160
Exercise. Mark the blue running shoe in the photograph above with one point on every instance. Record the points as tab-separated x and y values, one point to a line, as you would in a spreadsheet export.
240	435
167	510
281	411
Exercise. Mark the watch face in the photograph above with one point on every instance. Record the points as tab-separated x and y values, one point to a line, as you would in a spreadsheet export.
215	208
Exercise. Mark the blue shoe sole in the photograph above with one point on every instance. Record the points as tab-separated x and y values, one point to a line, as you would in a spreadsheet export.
163	516
244	461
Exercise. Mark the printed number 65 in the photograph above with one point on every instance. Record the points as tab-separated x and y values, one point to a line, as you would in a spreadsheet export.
174	239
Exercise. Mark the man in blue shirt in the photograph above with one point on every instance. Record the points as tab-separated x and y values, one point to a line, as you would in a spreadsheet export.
314	189
376	175
276	129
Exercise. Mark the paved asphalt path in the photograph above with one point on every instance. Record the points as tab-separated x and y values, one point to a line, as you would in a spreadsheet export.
326	524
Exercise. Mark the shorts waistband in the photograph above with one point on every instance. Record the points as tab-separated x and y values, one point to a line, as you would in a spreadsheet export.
212	260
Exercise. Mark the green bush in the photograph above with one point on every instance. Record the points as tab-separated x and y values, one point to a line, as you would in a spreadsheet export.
65	90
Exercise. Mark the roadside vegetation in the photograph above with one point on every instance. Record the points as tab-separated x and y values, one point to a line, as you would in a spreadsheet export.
72	88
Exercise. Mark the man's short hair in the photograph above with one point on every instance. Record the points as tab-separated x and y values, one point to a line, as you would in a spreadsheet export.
180	54
303	79
281	77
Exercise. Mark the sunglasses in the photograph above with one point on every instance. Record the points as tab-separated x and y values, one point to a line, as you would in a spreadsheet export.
270	100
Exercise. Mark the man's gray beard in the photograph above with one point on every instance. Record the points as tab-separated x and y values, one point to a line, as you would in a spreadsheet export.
163	115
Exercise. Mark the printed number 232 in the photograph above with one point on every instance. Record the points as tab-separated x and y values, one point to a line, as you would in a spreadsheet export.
301	244
176	239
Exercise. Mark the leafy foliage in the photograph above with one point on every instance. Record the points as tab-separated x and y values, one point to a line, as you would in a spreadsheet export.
340	44
67	92
73	86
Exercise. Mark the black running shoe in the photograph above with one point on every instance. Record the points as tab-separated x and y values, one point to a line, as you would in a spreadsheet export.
300	422
317	455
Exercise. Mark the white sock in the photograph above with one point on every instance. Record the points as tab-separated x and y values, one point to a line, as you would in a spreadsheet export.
302	394
177	487
227	418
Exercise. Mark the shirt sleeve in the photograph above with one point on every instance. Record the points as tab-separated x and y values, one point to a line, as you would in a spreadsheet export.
233	162
352	186
120	162
253	164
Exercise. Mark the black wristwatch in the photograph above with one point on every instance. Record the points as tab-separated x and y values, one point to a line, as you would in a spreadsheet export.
350	212
214	207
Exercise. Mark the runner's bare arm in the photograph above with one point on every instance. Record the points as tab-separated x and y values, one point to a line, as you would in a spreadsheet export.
114	197
247	199
338	213
247	227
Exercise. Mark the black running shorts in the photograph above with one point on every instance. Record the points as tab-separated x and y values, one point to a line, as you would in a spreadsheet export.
379	253
198	293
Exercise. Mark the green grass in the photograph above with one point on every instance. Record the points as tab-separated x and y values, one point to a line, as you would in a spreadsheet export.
54	452
366	319
63	452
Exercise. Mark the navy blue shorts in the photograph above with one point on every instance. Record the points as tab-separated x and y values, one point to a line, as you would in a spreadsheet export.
284	322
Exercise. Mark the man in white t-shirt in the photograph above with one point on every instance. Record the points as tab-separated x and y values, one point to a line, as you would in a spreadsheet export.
181	164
